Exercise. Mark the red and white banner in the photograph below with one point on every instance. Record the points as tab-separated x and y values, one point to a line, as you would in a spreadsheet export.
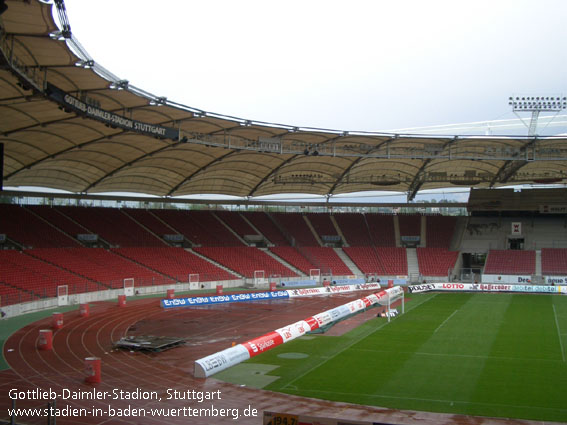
328	290
222	360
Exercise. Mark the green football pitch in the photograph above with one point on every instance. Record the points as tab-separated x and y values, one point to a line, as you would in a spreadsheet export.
498	355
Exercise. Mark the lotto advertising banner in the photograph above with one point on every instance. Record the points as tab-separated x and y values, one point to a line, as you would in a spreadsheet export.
214	363
482	287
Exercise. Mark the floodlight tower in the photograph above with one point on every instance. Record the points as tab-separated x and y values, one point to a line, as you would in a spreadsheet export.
535	105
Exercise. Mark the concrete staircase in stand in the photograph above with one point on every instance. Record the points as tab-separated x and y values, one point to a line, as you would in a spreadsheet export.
538	262
315	235
349	263
282	261
219	265
413	265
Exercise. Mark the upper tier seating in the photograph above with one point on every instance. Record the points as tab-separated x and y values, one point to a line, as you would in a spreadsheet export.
294	257
25	228
436	261
235	221
510	262
554	261
439	231
322	224
295	225
326	259
246	260
381	227
354	228
410	224
266	226
200	227
147	219
101	265
388	261
176	263
112	225
55	217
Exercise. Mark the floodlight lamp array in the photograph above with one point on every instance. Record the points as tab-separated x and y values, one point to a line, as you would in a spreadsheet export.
538	103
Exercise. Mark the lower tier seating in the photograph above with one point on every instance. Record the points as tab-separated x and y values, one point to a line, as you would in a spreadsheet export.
246	260
436	261
501	261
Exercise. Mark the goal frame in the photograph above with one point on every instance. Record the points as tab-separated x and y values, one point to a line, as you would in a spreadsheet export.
389	304
129	286
259	277
62	295
315	274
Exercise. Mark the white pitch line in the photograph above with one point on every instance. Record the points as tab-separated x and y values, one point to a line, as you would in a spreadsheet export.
445	321
558	332
353	343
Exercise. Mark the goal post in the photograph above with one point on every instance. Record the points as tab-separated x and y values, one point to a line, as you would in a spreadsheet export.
62	295
259	277
193	281
129	287
394	294
315	274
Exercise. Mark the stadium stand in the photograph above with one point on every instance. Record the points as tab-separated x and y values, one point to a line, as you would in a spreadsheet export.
554	261
199	227
266	225
148	220
511	262
322	224
29	231
294	257
381	229
439	231
246	260
54	217
38	277
100	265
394	259
379	260
112	225
366	259
326	259
354	228
410	224
235	221
295	225
51	256
176	263
436	261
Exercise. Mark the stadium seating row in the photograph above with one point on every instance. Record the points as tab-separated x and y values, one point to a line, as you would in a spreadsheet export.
58	227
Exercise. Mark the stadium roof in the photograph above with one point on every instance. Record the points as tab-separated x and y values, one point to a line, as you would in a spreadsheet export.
67	123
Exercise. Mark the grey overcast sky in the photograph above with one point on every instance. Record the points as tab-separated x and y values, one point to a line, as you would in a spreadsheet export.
349	65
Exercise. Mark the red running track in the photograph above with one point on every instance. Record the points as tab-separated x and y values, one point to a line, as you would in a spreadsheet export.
208	329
